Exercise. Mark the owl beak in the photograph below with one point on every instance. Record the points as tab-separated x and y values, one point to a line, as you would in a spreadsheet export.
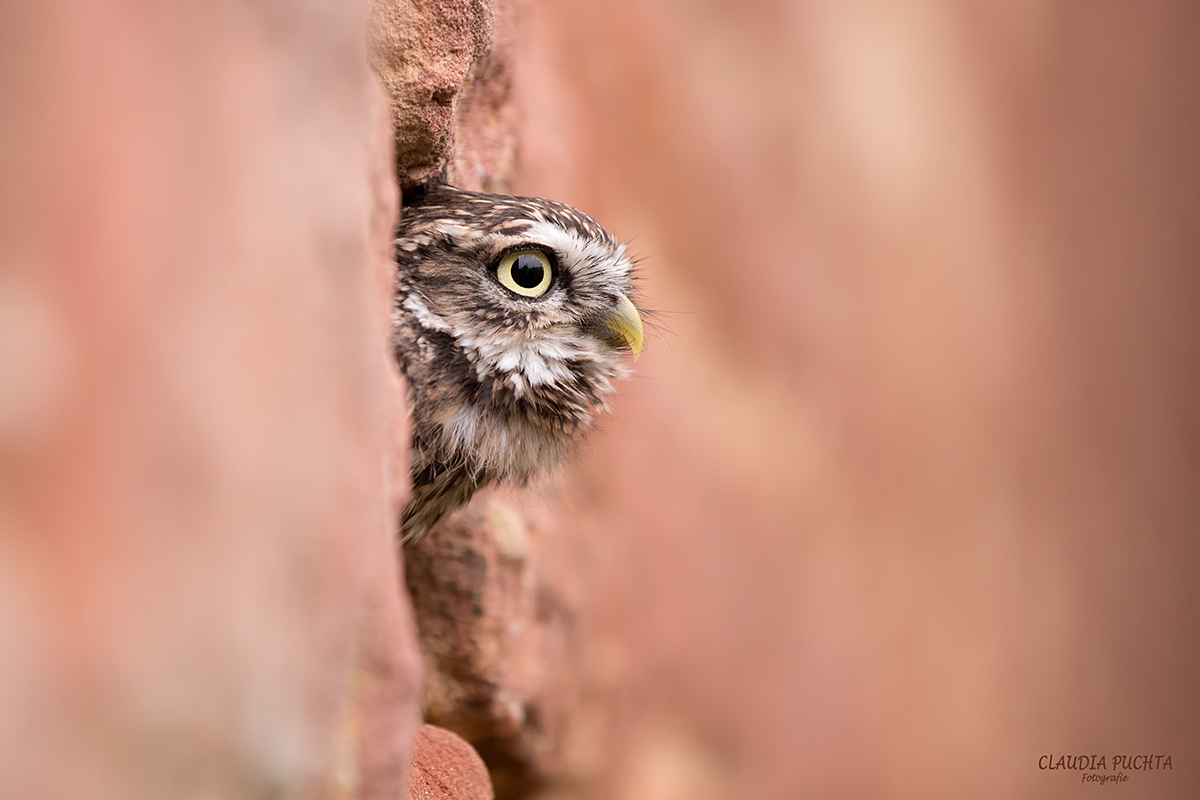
622	327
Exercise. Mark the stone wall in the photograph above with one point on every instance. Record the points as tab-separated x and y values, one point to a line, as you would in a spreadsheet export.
202	432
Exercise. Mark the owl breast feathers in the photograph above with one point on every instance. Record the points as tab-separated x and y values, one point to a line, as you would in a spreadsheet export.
510	321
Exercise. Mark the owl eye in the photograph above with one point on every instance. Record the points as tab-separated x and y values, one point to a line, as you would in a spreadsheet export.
526	272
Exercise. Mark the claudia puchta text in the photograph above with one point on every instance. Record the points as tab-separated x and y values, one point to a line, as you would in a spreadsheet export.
1091	765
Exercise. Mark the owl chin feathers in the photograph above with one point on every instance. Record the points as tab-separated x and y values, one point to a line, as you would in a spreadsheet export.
511	322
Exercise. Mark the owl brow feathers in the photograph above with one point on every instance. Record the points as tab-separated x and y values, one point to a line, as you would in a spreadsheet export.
493	212
504	377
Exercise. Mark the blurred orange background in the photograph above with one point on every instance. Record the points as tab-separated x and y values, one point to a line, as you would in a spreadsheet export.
906	492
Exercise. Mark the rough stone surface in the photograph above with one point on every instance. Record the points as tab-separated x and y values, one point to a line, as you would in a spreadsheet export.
446	767
199	416
496	594
424	52
487	118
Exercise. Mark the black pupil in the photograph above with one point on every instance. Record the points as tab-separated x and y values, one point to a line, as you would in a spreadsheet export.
527	271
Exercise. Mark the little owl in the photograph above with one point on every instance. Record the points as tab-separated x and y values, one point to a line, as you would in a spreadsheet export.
510	322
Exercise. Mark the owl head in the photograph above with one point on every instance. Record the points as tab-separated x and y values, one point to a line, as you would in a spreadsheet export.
511	320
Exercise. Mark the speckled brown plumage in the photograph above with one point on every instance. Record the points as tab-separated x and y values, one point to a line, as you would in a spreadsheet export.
503	383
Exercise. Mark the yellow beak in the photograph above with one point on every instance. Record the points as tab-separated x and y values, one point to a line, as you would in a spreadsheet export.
623	327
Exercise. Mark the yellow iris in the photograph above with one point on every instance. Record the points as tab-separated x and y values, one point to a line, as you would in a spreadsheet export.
526	272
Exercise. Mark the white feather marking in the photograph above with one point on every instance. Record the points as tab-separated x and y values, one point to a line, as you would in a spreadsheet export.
461	428
416	305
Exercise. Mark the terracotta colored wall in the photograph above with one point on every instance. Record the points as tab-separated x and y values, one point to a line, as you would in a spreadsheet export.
200	422
906	492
